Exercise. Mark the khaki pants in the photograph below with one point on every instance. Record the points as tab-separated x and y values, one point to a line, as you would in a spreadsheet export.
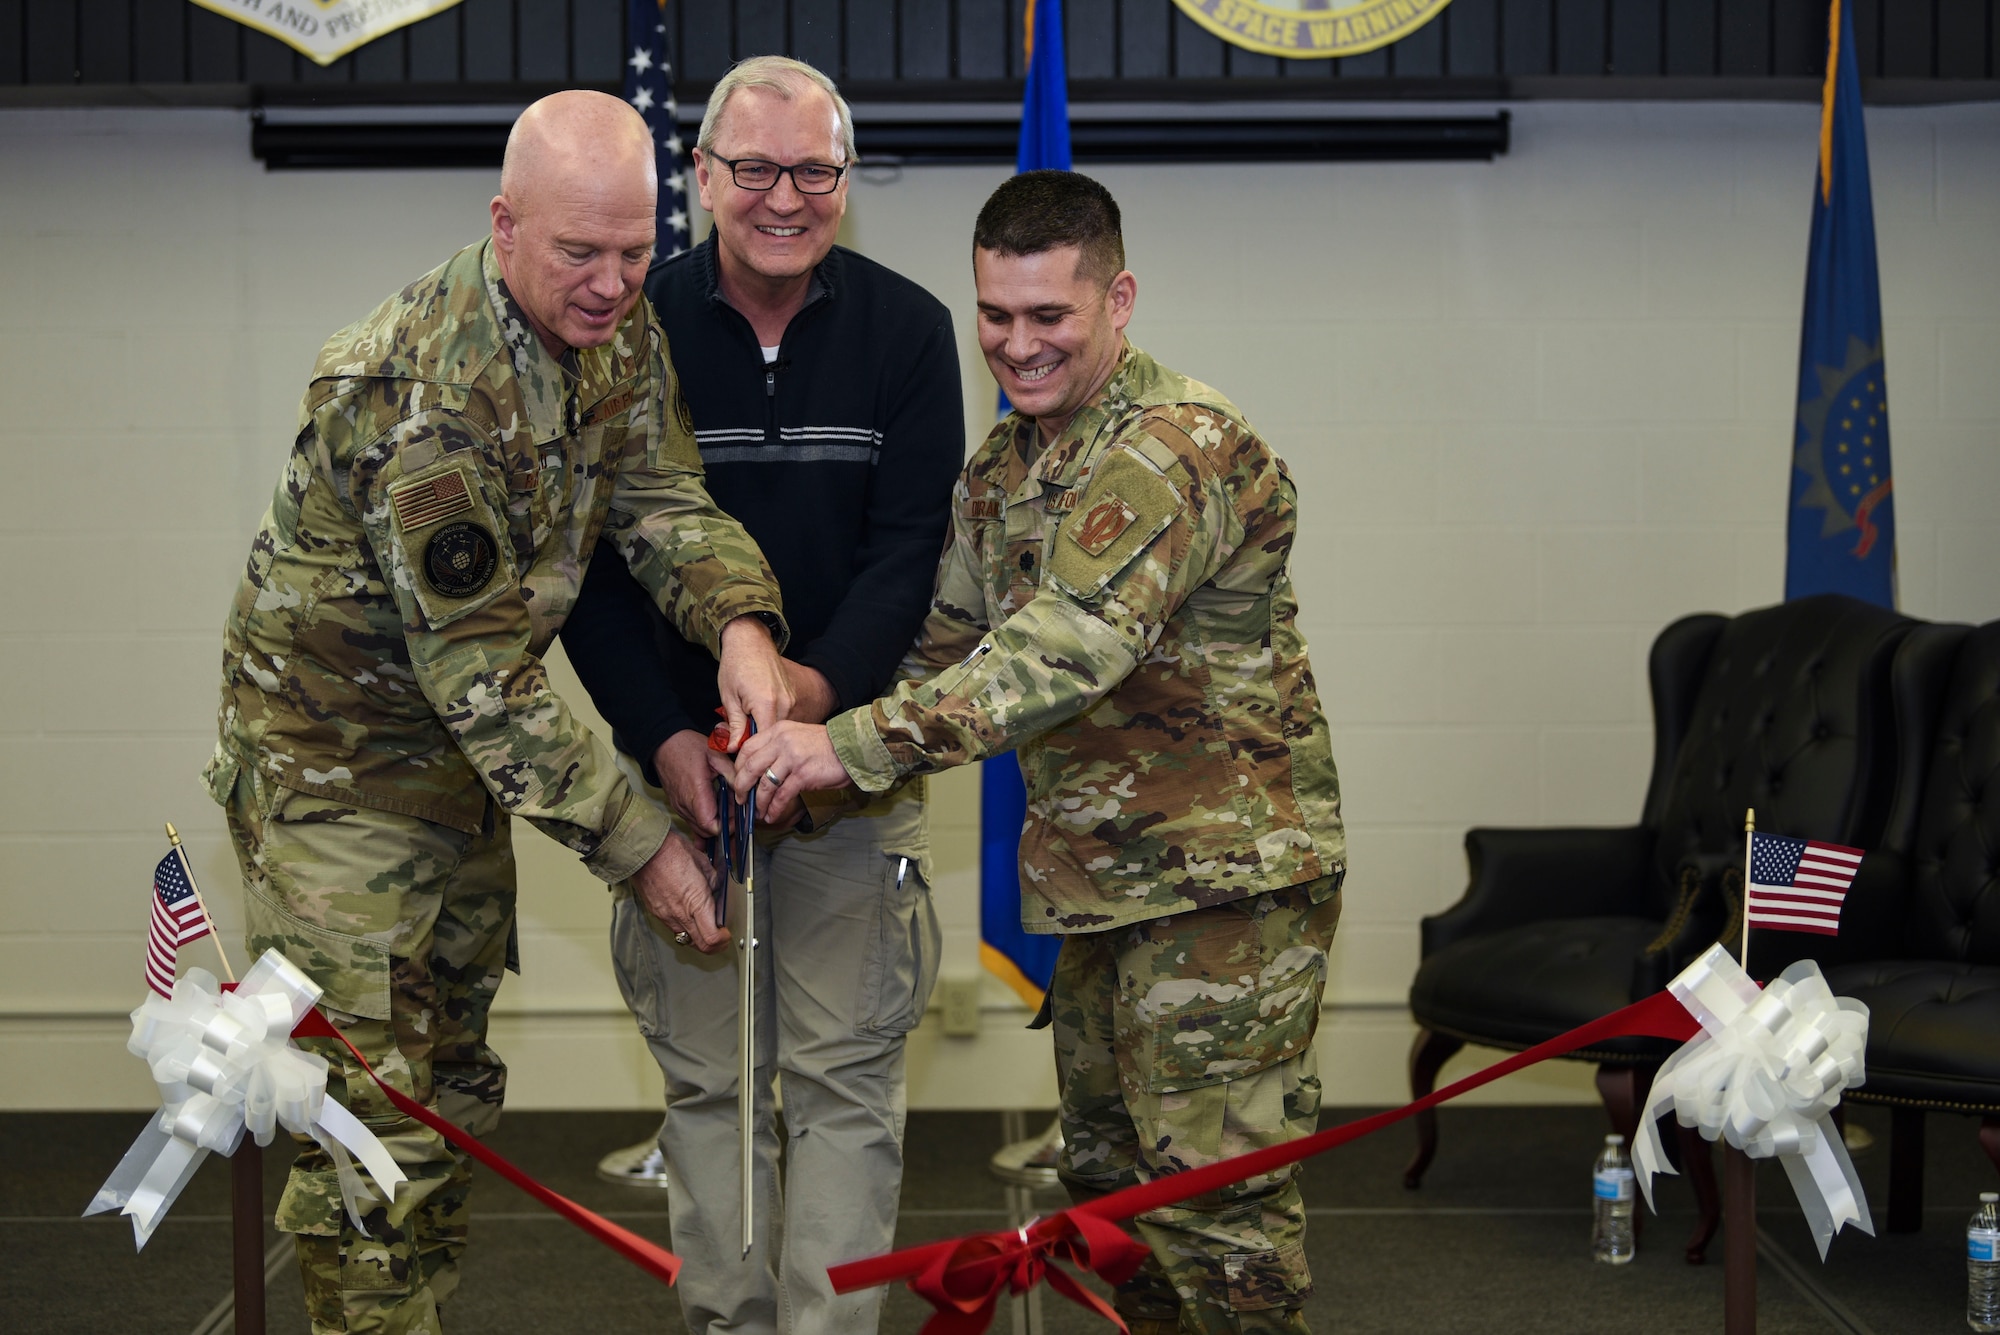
407	926
846	957
1181	1041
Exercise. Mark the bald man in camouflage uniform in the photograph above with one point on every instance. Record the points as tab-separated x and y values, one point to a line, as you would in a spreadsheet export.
1115	604
461	452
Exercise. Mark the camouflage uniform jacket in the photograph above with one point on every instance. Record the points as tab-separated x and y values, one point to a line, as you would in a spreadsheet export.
1118	607
426	540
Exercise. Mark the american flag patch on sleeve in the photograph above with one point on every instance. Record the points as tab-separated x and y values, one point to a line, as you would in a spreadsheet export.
418	504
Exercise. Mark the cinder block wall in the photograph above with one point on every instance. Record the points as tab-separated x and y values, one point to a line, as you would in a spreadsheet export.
1536	408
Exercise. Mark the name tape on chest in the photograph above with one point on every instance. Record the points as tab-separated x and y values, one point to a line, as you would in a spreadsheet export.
418	504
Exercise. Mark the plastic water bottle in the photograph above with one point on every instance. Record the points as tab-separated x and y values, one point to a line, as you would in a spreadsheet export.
1982	1265
1611	1239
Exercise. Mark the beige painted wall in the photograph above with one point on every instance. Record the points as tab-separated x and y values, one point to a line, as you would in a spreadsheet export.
1536	408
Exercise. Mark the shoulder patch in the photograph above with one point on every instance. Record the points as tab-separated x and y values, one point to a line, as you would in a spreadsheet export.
432	499
1101	524
1124	507
460	559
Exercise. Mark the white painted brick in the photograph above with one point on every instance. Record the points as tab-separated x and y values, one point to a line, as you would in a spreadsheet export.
132	684
1253	364
1968	373
1729	271
1702	474
1357	475
1760	565
1371	964
1396	874
56	383
1538	675
1969	572
1768	387
1639	373
1376	676
1968	150
1552	272
1917	568
1537	475
1453	777
1595	776
1648	576
1458	372
1420	576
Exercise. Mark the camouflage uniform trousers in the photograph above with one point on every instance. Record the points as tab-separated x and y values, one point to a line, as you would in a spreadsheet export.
408	926
1181	1041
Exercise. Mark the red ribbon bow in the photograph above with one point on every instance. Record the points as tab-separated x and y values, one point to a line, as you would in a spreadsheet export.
963	1278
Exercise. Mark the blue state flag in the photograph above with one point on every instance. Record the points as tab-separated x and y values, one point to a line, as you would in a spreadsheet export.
1842	522
1025	963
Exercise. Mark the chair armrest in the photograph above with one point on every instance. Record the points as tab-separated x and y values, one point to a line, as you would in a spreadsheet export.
1871	923
1523	876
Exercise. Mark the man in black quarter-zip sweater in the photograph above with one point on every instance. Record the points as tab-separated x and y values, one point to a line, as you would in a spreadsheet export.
824	392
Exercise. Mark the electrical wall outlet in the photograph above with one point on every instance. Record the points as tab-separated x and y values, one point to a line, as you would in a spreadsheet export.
961	1006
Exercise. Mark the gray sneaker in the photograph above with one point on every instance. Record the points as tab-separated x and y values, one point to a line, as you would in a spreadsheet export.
641	1165
1030	1162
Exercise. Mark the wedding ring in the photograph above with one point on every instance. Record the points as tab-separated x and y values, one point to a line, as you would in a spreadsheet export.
681	938
772	775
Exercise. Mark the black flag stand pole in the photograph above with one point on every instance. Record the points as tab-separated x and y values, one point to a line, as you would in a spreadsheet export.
246	1167
1739	1178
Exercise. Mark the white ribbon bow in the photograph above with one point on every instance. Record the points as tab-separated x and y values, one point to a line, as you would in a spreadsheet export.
1764	1074
225	1063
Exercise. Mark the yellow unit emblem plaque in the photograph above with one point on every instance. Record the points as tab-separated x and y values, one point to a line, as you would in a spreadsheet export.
1311	29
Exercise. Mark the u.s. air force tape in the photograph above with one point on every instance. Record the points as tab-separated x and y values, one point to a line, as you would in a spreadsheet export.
459	559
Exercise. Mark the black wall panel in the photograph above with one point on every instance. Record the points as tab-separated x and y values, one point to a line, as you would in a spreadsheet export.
944	48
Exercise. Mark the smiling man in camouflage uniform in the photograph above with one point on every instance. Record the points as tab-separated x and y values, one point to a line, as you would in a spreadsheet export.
1115	603
385	710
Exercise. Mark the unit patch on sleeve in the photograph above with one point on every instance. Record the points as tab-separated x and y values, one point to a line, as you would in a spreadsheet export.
430	500
1100	526
460	558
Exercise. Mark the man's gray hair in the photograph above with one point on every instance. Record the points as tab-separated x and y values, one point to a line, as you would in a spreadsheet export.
785	77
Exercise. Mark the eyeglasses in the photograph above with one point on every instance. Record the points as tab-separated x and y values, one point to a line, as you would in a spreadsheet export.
808	178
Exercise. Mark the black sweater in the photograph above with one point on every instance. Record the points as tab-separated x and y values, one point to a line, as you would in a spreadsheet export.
838	458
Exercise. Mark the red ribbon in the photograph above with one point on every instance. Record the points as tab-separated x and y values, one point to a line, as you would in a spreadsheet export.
963	1277
648	1256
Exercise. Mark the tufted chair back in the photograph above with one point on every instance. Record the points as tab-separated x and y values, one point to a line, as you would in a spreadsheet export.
1953	912
1792	719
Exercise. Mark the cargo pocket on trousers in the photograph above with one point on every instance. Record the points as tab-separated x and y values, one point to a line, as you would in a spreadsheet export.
1207	1041
902	962
352	971
637	958
1260	1281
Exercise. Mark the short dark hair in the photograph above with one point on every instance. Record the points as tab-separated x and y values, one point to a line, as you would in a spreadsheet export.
1041	211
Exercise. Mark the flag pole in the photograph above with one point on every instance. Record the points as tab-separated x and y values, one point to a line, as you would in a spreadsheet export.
246	1166
1739	1176
1749	836
214	932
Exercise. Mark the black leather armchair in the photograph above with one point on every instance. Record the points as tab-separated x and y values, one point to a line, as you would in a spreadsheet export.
1784	709
1919	939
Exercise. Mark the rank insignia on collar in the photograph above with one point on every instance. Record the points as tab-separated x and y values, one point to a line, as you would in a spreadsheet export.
459	559
1099	526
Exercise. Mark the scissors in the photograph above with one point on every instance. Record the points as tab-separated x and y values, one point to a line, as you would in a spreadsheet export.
729	849
732	856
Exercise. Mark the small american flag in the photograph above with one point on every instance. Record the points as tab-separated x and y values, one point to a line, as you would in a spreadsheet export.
1798	885
177	920
649	86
